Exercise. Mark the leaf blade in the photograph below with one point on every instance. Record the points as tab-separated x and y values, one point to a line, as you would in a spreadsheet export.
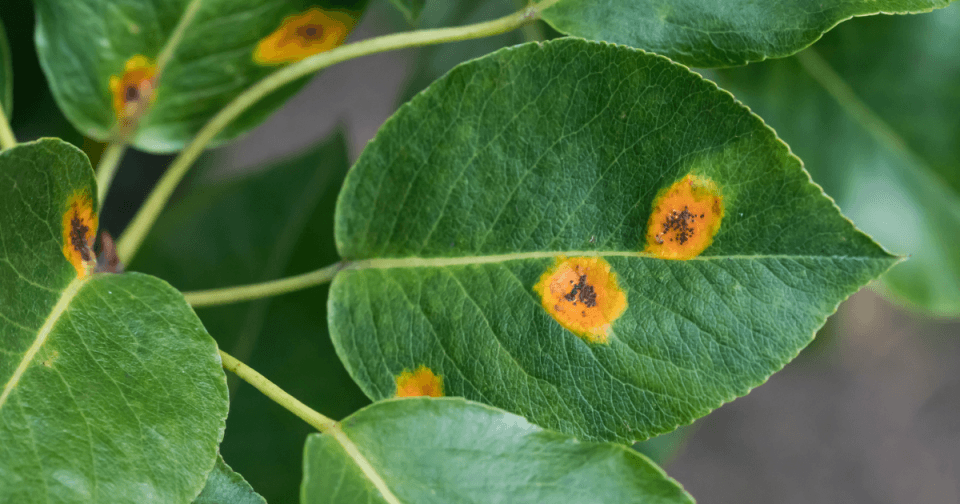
113	390
479	185
717	33
211	63
450	450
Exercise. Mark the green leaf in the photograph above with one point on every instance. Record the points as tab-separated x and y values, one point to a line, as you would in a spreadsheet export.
6	75
880	137
717	33
112	390
470	193
226	486
273	223
83	44
411	9
451	450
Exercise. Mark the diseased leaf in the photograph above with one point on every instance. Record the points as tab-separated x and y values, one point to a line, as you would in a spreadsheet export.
450	450
872	109
6	74
518	230
411	9
112	390
103	60
224	486
717	33
273	223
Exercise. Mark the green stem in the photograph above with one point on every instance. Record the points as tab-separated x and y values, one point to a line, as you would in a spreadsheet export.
107	169
133	237
276	393
7	140
229	295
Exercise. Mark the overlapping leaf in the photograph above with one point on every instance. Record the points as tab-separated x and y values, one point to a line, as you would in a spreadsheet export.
112	390
273	223
473	190
450	450
872	110
717	33
224	486
82	44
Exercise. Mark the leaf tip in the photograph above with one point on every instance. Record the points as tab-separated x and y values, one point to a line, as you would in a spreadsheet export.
685	217
582	294
305	34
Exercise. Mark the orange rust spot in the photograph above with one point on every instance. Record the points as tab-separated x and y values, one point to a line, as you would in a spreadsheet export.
79	231
582	294
421	382
685	217
302	35
133	92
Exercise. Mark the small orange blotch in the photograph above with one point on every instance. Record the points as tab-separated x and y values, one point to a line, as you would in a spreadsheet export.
302	35
133	92
582	294
79	230
421	382
685	218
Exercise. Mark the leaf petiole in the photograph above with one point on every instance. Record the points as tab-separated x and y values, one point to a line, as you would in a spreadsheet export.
278	395
7	140
107	168
241	293
133	237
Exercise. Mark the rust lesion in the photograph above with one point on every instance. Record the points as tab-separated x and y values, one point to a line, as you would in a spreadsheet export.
583	295
133	91
685	217
421	382
299	36
79	231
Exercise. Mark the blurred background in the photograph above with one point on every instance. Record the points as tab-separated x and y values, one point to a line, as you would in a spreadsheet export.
869	412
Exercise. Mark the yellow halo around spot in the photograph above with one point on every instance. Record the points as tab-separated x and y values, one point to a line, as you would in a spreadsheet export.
582	294
685	218
421	382
133	91
79	231
302	35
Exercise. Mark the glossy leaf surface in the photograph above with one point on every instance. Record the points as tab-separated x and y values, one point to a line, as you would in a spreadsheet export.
83	44
6	74
224	486
717	33
475	189
273	223
450	450
872	111
112	390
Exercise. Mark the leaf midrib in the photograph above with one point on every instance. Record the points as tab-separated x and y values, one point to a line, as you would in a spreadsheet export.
414	262
66	297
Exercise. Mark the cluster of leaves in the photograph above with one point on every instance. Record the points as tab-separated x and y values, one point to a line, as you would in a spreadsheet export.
444	232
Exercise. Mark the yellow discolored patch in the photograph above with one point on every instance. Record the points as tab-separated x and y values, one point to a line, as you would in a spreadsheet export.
582	294
421	382
685	218
79	230
302	35
133	91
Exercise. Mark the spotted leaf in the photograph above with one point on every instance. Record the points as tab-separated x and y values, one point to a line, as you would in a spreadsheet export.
111	388
502	231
